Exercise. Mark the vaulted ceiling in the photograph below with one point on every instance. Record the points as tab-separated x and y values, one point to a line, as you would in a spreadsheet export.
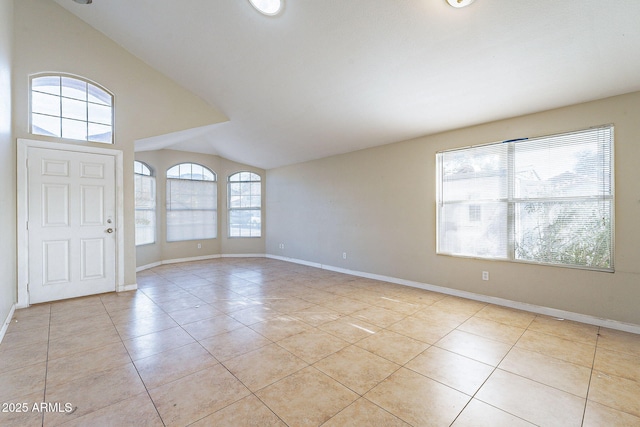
331	76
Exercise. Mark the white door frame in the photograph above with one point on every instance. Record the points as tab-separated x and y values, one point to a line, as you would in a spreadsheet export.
22	236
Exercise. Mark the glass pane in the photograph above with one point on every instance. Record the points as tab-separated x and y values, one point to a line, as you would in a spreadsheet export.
100	133
99	114
141	169
48	84
74	88
145	204
145	192
570	233
74	129
244	223
234	189
197	172
45	104
73	109
98	96
174	172
235	202
462	234
184	171
256	223
478	173
45	125
564	165
208	175
145	227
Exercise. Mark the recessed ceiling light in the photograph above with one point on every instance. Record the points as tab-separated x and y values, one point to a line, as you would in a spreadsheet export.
268	7
460	3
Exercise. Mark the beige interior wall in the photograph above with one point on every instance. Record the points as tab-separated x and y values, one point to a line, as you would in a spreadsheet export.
7	167
161	250
50	39
378	205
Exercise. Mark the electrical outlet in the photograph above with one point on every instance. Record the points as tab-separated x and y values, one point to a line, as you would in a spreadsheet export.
344	255
281	245
485	275
199	245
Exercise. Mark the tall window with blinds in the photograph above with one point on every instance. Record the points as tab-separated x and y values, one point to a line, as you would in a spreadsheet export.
145	192
245	205
546	200
192	201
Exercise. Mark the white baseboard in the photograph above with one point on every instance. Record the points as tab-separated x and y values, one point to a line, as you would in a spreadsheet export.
243	256
297	261
189	259
561	314
7	322
127	288
147	266
197	258
175	261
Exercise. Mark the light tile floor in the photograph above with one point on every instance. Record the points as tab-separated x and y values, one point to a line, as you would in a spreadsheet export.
260	342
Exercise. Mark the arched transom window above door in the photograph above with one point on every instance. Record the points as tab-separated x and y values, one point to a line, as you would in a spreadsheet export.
70	107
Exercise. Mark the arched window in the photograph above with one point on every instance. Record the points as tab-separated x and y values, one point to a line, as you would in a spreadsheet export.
245	205
192	202
145	192
65	106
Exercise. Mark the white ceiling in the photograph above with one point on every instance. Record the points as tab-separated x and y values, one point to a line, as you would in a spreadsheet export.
332	76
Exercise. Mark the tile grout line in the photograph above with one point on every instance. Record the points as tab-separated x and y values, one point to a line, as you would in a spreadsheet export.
593	364
134	365
46	371
492	372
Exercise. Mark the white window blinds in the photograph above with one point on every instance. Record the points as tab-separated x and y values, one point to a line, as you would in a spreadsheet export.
192	201
545	200
145	209
245	203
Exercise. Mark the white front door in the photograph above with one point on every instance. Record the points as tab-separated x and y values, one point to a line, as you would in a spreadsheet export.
71	224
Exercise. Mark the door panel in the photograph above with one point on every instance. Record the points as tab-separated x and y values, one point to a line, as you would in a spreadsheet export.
91	205
92	259
91	170
55	205
71	209
52	167
55	262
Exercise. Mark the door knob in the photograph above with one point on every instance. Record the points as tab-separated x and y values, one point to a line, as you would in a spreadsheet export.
109	230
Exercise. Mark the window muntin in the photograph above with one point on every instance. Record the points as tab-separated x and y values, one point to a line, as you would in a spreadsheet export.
145	204
245	204
546	200
192	200
68	107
